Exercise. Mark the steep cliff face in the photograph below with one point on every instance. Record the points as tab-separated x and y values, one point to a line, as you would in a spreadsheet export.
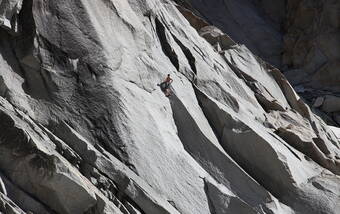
255	23
300	37
84	128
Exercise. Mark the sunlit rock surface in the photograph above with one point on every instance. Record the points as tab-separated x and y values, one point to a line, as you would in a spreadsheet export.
84	128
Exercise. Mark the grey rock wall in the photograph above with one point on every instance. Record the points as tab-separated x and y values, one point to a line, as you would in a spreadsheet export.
300	37
84	128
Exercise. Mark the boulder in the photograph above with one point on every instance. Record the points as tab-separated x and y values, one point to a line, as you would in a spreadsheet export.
331	104
216	37
318	102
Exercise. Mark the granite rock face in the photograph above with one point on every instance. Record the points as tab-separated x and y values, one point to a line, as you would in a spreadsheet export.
255	23
84	128
300	37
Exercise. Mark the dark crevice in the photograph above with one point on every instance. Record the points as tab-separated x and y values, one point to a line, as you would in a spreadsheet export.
173	204
166	47
3	88
151	24
210	202
92	71
320	187
60	57
191	59
134	204
289	148
67	152
267	105
28	56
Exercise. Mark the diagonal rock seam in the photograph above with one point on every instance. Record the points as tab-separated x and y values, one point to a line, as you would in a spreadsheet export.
280	192
316	152
202	154
166	47
123	189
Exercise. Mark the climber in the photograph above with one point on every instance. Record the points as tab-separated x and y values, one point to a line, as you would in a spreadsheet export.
165	85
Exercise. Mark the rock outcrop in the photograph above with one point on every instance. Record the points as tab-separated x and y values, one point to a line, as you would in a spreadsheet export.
256	24
299	37
9	12
84	128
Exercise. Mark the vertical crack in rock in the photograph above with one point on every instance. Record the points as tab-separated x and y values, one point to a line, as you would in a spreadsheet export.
210	200
166	47
191	59
222	201
28	55
3	88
